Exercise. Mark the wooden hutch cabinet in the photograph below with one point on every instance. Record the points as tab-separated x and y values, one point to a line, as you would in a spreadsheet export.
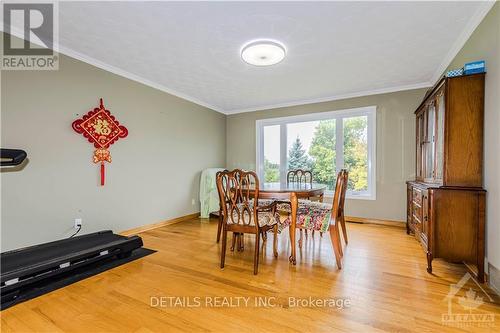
446	201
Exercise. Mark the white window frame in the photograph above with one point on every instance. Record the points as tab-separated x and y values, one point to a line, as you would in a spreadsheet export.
370	112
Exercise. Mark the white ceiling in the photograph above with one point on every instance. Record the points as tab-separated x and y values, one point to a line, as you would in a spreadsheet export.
334	49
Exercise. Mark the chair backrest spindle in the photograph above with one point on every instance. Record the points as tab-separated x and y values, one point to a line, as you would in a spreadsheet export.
299	177
345	179
339	195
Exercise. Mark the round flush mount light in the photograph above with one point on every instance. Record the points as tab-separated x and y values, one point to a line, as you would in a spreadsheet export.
263	53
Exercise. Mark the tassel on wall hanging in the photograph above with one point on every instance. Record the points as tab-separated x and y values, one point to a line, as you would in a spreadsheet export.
101	129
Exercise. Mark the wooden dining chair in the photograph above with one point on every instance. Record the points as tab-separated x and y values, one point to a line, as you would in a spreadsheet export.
323	217
299	176
238	238
341	216
219	222
302	177
241	214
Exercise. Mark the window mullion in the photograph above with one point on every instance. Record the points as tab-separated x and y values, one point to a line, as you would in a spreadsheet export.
283	157
339	144
260	150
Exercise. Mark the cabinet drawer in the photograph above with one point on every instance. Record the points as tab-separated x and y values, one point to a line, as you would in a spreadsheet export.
417	212
417	196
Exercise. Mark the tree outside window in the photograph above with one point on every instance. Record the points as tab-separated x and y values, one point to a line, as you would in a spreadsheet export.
318	144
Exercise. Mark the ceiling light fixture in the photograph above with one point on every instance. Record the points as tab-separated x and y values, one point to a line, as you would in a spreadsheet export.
263	53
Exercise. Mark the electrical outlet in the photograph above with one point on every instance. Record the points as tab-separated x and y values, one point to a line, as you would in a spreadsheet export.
193	202
78	223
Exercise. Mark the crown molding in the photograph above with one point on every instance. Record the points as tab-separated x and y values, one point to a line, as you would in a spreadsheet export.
134	77
473	23
420	85
118	71
456	47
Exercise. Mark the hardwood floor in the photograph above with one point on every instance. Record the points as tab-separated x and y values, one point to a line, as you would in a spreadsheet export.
384	277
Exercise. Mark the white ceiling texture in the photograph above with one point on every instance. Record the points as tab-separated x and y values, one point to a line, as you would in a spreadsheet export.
334	49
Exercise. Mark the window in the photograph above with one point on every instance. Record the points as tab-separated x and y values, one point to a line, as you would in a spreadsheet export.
323	143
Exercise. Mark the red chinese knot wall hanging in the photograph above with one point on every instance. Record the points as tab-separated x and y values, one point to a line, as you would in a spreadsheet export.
100	128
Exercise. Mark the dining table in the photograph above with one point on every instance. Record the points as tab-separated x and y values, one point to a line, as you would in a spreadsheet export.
291	192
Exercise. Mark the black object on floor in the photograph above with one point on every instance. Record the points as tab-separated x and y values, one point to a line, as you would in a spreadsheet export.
40	265
70	277
11	157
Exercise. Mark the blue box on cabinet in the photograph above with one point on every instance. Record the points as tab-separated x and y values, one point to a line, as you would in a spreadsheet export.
474	67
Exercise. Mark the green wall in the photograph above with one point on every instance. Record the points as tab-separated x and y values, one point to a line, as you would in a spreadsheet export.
155	171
